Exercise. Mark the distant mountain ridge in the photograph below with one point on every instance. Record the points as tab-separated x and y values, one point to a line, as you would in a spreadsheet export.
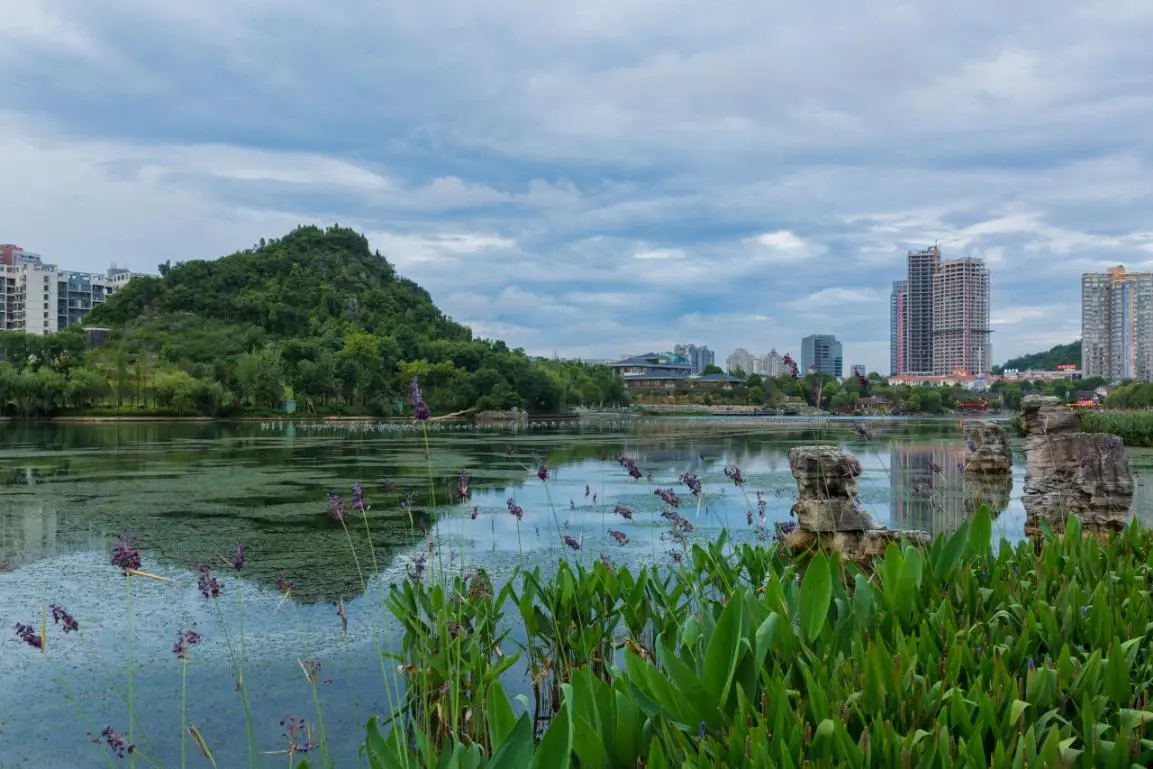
1060	355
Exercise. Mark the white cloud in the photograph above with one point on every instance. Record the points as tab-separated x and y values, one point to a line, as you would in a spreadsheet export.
659	253
673	172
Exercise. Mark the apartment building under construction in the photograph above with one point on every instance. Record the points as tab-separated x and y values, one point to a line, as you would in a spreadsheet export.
939	317
961	317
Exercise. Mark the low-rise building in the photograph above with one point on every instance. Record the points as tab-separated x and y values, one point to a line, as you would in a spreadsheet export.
39	298
653	370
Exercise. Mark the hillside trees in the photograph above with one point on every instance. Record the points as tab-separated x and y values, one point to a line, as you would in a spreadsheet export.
315	315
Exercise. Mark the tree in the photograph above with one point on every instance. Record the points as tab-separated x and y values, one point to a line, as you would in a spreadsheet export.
712	369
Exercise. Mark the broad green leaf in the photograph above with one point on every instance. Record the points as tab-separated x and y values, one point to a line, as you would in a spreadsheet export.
556	747
517	748
981	532
816	595
501	719
947	559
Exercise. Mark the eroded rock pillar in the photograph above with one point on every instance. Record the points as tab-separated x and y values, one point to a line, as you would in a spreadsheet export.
1068	471
828	510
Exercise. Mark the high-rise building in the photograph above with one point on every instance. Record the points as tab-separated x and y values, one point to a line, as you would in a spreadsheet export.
740	360
897	327
773	364
1117	324
700	356
918	320
821	353
39	298
961	317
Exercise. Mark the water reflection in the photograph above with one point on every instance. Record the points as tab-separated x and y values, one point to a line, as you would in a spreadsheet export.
929	489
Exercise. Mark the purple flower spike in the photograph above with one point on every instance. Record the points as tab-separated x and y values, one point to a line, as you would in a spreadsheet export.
184	640
124	553
283	584
28	635
336	507
693	482
621	538
116	742
733	473
572	542
623	512
416	398
238	557
542	471
515	510
63	618
208	585
358	502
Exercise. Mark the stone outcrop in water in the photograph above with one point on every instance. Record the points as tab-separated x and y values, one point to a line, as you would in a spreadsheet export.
987	449
828	511
1068	471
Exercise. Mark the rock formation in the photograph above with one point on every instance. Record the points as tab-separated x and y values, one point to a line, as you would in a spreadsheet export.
1072	472
828	512
987	449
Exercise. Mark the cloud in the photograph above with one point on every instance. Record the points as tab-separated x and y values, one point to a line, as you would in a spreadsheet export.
599	178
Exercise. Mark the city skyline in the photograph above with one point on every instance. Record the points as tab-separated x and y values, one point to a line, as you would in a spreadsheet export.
637	171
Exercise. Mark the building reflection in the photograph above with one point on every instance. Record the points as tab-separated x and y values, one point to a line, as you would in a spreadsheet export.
33	529
930	492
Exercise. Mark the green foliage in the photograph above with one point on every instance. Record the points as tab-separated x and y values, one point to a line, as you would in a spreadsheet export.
1131	395
1059	355
315	316
1135	428
959	655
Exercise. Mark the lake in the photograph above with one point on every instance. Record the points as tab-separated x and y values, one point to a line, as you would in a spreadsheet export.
191	491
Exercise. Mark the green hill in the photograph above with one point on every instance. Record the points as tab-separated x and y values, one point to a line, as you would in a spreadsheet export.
316	316
1047	361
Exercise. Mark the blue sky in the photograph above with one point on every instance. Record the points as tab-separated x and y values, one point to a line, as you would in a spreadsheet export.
603	177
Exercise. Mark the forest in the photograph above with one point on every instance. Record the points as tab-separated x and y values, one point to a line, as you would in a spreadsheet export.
314	317
1059	355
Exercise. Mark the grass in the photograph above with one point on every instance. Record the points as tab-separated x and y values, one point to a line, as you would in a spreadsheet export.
1135	428
725	654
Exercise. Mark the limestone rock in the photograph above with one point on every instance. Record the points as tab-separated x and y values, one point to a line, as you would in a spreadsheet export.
827	490
987	449
1077	473
861	547
1047	415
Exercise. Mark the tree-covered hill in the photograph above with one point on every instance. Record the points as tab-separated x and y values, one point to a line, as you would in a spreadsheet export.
1047	361
316	316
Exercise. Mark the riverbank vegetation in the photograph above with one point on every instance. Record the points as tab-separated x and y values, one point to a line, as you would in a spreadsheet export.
315	317
962	655
1135	428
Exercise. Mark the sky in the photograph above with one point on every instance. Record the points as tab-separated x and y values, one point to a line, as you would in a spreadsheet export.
607	177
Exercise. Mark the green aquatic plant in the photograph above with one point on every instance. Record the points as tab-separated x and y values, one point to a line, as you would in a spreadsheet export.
960	654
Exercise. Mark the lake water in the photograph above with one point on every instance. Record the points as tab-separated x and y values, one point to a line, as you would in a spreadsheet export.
191	491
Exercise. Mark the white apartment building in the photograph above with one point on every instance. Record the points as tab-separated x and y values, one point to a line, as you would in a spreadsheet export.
39	298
